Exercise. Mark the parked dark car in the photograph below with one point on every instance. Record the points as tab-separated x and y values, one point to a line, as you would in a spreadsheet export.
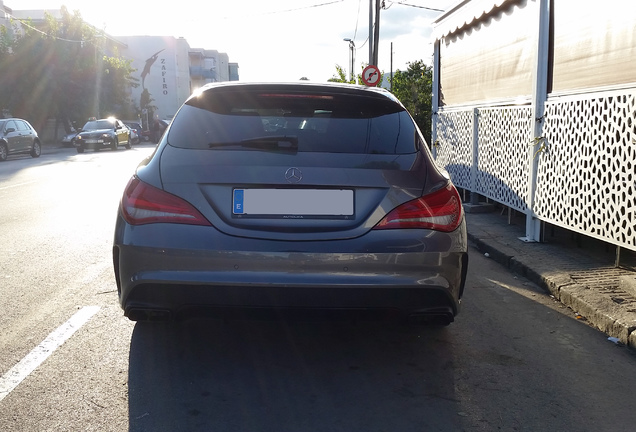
104	133
67	140
136	129
286	198
18	136
158	128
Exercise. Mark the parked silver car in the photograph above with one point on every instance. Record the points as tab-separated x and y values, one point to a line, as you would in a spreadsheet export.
291	197
18	136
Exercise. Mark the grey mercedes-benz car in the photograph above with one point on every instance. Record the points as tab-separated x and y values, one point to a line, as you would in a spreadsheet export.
291	197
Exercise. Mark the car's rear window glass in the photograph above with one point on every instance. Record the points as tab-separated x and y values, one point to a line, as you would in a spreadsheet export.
313	122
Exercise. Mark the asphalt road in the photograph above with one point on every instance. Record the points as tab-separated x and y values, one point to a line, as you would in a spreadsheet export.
514	360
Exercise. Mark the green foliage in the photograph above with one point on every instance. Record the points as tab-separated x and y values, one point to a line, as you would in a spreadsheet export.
60	71
414	88
146	103
341	76
115	82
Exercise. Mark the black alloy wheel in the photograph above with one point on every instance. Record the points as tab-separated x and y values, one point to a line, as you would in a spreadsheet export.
36	151
4	152
114	143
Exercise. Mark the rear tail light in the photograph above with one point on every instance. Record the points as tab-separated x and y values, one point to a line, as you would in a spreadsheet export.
145	204
440	211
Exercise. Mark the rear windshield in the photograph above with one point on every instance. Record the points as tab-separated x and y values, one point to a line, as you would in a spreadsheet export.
335	123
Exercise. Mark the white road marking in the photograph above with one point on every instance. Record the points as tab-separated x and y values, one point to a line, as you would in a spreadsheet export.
16	185
28	364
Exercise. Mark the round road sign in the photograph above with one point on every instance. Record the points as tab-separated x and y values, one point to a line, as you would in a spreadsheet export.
371	76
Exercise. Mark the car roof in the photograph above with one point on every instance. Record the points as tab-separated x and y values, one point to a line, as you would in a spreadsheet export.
3	120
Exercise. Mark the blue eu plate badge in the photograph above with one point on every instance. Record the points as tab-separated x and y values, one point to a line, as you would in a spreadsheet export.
239	195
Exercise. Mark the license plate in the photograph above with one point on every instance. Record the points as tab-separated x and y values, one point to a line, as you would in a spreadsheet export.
94	141
290	203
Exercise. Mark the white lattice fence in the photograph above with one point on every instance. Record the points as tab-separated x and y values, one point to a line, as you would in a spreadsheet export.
454	145
586	179
504	139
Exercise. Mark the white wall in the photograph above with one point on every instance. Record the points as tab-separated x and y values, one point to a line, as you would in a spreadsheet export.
162	65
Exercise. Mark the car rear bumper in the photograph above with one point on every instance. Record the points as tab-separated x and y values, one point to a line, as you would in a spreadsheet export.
172	282
166	301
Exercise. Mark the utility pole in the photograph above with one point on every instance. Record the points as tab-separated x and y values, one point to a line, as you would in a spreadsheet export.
391	71
352	47
371	32
376	32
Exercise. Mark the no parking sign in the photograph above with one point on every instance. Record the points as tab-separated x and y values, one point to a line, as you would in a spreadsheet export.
371	76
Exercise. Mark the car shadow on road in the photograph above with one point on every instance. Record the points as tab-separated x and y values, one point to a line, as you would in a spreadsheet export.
279	375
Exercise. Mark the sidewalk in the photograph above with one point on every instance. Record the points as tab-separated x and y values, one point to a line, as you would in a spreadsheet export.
577	270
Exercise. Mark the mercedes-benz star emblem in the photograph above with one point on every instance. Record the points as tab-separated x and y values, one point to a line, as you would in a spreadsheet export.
293	175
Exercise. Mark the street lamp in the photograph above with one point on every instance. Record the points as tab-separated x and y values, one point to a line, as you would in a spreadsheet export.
352	47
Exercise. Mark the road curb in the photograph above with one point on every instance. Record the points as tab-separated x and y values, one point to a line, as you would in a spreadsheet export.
599	311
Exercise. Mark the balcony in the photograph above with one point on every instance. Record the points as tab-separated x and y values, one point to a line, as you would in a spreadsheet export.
203	73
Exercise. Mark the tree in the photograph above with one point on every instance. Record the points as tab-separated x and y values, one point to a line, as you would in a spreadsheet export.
60	71
6	49
115	82
22	74
146	103
414	88
341	76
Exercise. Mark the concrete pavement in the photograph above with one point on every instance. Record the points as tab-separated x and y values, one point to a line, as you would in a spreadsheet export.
577	270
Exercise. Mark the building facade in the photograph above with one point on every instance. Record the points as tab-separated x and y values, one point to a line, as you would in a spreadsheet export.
162	69
207	66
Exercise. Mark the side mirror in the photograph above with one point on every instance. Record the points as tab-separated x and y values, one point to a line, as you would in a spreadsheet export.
9	130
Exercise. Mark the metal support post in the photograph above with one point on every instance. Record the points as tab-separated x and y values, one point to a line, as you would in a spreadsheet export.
539	96
435	102
474	169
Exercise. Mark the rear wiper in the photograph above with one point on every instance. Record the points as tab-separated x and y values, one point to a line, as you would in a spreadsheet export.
283	142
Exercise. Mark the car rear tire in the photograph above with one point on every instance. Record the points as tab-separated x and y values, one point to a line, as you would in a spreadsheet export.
129	143
114	144
4	152
80	149
36	151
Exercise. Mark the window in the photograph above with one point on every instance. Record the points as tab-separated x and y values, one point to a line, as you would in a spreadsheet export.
335	123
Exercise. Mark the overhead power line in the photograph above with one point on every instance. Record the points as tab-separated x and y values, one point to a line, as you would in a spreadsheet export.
415	6
276	12
24	23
